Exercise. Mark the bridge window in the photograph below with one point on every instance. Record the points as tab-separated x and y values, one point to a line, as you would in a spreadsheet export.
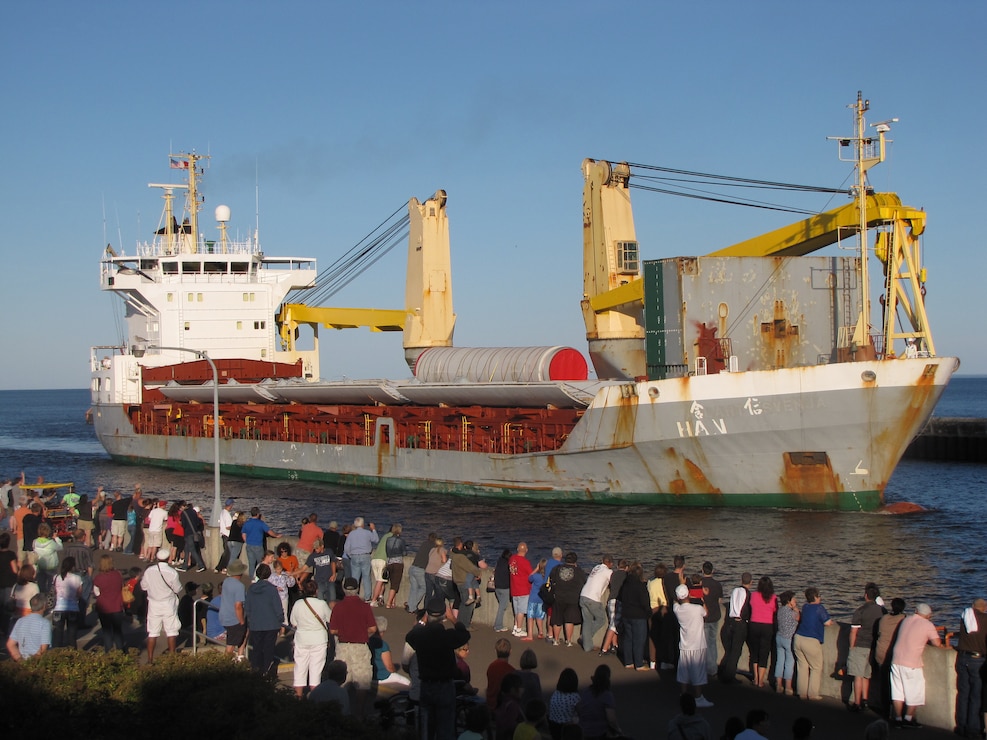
628	258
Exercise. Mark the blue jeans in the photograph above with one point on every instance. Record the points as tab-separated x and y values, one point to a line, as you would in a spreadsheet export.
636	631
594	619
235	549
968	683
360	569
438	705
416	587
503	600
785	661
255	554
326	590
465	610
711	629
192	552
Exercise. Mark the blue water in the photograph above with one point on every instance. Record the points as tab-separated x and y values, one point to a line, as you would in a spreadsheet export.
930	556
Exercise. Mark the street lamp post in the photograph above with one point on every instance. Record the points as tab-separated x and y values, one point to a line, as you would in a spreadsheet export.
217	502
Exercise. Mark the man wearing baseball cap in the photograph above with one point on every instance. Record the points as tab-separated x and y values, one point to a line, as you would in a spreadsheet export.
435	654
691	673
352	622
163	587
232	614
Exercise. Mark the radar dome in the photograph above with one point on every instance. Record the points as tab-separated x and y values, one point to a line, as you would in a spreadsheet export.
222	214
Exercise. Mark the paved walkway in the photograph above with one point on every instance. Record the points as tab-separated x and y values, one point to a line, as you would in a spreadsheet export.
646	701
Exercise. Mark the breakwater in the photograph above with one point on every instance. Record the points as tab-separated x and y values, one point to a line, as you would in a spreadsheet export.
954	439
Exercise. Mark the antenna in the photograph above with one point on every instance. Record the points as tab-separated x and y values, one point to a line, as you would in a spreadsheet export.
256	203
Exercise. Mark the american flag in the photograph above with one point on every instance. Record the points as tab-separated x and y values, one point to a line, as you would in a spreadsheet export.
179	164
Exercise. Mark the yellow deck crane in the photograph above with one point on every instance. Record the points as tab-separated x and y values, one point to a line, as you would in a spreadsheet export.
427	319
613	288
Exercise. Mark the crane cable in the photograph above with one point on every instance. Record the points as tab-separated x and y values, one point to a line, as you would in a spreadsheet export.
705	178
358	259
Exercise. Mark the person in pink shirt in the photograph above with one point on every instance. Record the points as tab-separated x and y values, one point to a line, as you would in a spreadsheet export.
764	604
907	676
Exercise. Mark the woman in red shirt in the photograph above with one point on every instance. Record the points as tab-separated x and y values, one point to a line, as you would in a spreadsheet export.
108	588
176	533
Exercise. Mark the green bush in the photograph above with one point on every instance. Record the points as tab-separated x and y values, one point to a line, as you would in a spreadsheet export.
110	696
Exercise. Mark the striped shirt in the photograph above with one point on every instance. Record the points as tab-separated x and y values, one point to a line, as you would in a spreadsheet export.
30	633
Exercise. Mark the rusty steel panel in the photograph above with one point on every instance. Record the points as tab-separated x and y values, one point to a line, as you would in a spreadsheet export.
768	312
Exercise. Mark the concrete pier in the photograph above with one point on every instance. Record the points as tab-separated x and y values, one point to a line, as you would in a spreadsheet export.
955	439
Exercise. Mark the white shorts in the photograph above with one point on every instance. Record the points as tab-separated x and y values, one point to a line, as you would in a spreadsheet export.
167	623
153	540
376	569
908	685
692	667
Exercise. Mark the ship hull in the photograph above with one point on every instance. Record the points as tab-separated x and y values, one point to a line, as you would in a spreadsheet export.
821	437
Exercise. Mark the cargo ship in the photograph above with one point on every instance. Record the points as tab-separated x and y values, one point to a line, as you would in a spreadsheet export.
751	376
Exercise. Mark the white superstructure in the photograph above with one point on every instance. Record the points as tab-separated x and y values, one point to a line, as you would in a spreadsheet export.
184	290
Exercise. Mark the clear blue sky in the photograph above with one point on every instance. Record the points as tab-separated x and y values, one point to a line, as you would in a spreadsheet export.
348	109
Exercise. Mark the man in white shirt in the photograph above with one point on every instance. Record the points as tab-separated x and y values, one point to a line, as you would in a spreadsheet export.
225	522
591	602
691	673
156	519
163	586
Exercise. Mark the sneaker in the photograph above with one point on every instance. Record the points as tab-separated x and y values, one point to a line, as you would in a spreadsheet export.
703	703
568	643
501	629
469	602
911	723
652	665
200	570
181	568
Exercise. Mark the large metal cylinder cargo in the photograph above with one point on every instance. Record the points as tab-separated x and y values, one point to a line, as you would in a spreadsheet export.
500	364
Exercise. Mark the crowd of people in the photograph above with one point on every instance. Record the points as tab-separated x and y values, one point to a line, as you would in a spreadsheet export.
322	593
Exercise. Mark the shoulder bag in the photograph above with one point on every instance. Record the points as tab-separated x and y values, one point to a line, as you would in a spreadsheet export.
545	593
331	641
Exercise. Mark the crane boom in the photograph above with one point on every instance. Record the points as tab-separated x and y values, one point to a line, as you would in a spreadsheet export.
829	227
